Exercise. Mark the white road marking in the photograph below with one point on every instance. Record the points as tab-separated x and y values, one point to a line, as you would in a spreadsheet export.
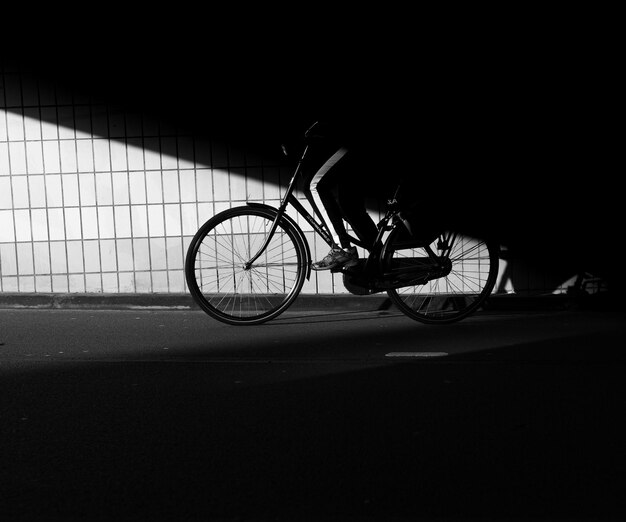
416	354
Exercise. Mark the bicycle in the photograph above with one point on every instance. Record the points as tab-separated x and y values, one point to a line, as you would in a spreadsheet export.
247	265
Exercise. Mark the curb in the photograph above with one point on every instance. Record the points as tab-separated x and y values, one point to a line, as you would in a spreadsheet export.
305	302
173	302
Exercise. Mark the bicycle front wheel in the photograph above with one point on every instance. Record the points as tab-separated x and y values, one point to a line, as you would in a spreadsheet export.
471	268
222	281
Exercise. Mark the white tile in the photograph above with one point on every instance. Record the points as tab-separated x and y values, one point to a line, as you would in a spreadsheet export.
176	281
139	220
8	259
42	258
152	154
5	170
43	283
157	254
37	191
34	157
91	253
9	284
255	184
58	257
107	255
159	282
39	221
221	185
32	124
175	258
90	223
104	188
76	283
87	187
49	129
170	186
72	223
93	283
17	155
238	187
68	156
127	282
60	284
106	223
20	192
189	219
204	183
102	160
25	263
155	220
71	193
143	282
15	126
54	191
7	230
56	224
187	185
142	254
154	188
121	195
75	263
51	157
125	254
5	193
137	187
27	284
169	157
122	221
22	225
172	220
135	153
84	153
119	162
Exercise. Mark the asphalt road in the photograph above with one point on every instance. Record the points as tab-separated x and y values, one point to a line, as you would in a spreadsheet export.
170	415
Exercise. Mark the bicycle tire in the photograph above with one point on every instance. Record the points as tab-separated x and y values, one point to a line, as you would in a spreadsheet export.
473	269
216	272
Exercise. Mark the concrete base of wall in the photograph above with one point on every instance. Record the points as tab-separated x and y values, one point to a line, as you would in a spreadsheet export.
304	302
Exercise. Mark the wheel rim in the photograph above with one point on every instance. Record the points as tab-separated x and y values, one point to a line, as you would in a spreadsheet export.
232	288
469	276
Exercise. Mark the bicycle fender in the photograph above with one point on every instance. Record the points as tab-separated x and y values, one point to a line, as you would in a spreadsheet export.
293	225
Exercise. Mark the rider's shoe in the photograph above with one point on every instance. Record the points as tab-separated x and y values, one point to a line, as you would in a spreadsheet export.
336	258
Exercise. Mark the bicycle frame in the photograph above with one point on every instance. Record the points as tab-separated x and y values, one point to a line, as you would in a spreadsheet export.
321	228
372	263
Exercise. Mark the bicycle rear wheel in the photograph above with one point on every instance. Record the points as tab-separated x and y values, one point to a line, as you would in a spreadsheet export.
468	280
218	275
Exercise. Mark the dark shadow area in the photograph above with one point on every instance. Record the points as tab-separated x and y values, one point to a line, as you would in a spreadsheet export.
525	431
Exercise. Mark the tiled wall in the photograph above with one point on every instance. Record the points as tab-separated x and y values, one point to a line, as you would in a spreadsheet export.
94	198
97	199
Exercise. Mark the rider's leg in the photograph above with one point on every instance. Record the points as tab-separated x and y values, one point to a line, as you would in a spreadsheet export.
352	199
322	186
